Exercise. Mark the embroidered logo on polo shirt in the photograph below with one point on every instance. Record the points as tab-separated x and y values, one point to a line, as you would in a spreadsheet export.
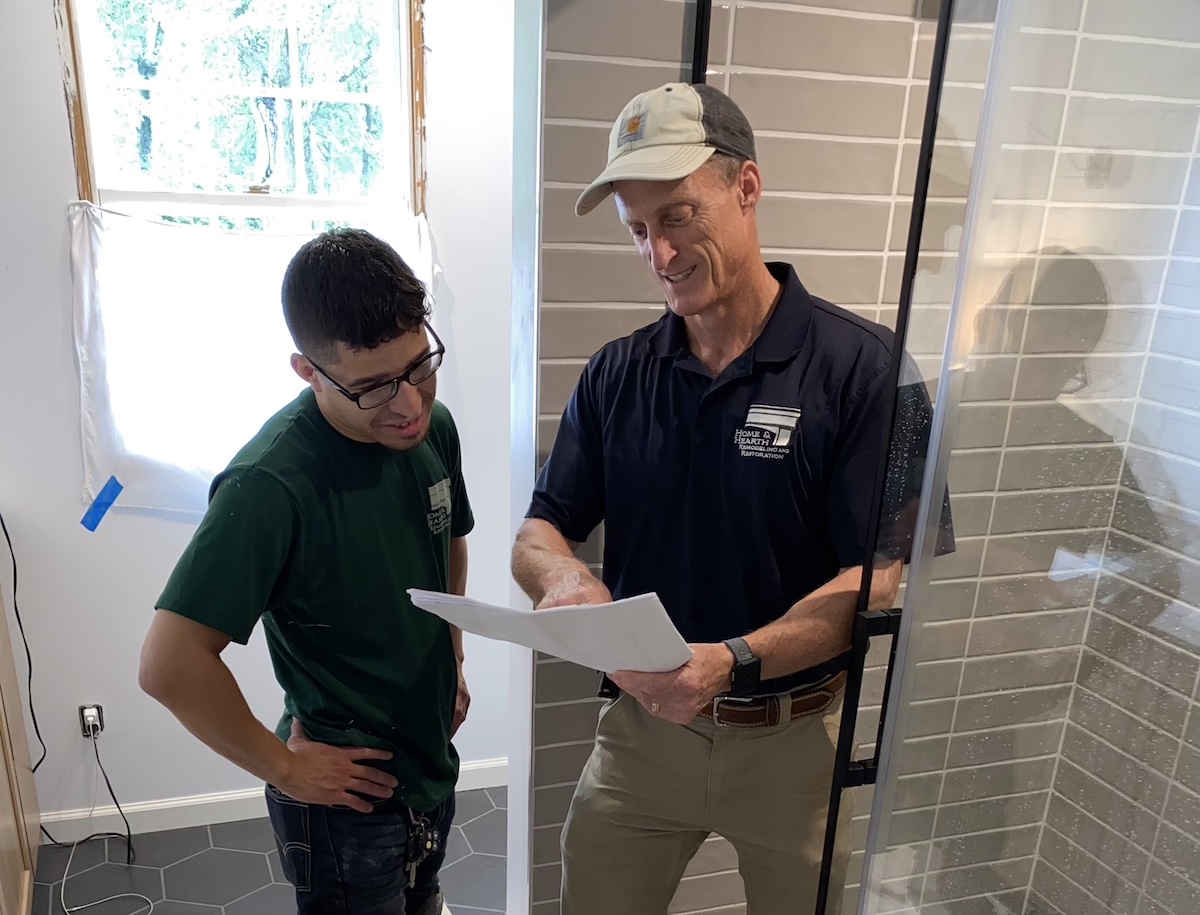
439	507
767	432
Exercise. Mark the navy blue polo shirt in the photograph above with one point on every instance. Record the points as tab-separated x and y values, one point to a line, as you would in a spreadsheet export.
731	497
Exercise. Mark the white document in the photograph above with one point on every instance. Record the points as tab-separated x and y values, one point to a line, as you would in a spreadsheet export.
631	634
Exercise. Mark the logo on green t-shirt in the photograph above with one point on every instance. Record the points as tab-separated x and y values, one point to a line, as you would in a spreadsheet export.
439	507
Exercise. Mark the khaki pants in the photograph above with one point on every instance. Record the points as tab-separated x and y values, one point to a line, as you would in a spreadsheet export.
652	792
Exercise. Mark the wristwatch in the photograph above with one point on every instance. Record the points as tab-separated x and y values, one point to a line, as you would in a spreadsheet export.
747	668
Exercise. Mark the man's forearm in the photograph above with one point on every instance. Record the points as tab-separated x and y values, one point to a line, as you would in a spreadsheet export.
203	694
818	627
541	556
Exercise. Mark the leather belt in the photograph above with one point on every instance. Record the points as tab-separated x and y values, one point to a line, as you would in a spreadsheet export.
765	711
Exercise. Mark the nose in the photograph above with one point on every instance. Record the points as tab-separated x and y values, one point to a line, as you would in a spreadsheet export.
659	251
406	403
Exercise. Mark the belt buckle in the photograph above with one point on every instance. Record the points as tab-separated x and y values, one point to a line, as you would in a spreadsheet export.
716	706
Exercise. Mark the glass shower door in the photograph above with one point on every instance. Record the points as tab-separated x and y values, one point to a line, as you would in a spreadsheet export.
1040	749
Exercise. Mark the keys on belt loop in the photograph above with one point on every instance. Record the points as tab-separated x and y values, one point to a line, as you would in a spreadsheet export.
423	841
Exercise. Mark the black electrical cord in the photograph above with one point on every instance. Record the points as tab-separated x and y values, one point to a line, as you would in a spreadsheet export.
24	641
130	855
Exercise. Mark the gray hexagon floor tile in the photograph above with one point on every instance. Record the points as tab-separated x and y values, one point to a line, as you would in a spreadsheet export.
107	880
217	876
456	846
488	835
52	860
476	881
245	835
276	867
470	805
270	900
41	898
499	797
160	849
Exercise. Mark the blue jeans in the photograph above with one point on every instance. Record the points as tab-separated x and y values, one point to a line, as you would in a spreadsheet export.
343	862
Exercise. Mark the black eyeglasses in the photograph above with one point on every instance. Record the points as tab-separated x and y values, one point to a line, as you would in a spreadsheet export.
378	395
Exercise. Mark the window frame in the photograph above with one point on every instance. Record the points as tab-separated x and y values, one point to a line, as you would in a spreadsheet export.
408	17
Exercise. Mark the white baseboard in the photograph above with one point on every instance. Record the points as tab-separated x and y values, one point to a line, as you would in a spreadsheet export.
483	773
223	807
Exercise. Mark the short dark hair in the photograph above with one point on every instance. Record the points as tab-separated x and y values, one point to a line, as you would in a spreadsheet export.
347	286
727	166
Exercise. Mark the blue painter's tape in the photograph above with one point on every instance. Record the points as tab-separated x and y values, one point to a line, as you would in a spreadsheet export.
108	495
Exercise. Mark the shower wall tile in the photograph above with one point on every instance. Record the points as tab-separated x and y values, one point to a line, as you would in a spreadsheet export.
1134	68
1087	871
962	851
1020	669
1114	767
1124	857
598	29
804	104
1130	124
1170	19
826	166
779	38
1120	178
596	91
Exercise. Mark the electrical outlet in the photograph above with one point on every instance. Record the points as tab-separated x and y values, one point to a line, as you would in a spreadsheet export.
91	720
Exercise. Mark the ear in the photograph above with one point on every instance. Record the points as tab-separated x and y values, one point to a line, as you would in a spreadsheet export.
305	370
750	184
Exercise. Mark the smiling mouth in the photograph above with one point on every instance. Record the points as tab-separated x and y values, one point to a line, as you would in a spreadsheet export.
403	428
678	277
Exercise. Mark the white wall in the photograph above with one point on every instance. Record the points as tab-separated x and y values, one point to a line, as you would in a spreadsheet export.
469	139
87	598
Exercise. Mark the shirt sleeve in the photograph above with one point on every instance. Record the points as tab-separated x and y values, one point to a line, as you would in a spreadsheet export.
908	457
855	476
856	464
569	492
462	518
229	571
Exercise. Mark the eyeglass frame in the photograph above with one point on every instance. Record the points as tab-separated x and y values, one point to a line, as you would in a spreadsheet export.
438	350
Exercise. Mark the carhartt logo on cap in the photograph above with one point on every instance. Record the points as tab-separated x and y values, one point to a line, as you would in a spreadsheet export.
634	128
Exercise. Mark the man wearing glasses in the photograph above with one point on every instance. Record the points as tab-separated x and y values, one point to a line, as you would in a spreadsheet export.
345	499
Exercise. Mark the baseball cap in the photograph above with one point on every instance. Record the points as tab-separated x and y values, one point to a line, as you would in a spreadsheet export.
666	134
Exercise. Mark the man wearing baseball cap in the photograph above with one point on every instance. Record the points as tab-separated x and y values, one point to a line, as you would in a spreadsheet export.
731	450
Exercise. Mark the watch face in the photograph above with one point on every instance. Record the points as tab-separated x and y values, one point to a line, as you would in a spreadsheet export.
746	676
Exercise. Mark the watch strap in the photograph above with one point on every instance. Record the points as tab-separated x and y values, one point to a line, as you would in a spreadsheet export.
741	651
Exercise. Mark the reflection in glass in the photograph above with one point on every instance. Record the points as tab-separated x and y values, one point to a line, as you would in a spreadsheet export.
1046	757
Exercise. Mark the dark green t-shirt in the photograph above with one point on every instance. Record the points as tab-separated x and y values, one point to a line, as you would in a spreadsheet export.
321	537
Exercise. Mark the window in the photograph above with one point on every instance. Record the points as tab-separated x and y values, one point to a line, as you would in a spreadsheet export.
213	137
251	114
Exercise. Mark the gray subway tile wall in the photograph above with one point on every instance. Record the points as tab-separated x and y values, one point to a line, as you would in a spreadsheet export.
1050	764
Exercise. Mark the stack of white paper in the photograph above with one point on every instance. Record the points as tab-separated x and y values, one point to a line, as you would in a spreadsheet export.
631	634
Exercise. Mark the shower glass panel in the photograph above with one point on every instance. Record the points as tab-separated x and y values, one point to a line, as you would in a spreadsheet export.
1041	745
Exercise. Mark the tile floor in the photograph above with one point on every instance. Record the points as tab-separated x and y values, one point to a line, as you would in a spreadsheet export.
233	868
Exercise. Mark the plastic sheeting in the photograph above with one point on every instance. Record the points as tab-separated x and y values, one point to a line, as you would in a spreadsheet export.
182	349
